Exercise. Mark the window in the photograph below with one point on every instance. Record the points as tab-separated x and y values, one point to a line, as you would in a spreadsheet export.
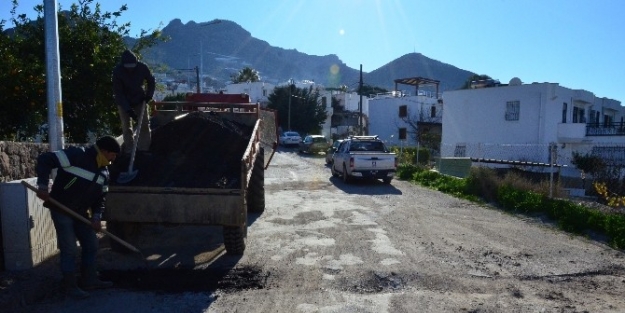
460	151
403	111
512	110
264	92
433	111
402	134
564	105
578	115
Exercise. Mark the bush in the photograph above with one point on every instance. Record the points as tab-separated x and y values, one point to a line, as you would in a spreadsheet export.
512	192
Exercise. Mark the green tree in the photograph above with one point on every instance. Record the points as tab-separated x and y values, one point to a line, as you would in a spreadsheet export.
371	90
90	42
246	74
467	83
307	111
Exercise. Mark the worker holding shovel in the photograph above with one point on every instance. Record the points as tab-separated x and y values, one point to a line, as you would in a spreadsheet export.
81	184
133	89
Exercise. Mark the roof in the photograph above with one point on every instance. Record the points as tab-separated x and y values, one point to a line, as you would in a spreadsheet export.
417	81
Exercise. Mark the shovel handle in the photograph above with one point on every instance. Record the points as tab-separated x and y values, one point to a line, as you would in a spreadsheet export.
81	218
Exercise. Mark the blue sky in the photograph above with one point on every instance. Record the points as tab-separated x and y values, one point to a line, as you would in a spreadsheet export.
579	44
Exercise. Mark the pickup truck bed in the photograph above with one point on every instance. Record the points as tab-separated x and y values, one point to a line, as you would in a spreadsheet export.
364	157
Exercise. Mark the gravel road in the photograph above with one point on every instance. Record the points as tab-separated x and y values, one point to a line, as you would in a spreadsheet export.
324	246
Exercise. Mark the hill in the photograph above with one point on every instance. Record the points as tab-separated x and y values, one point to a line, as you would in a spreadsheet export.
221	48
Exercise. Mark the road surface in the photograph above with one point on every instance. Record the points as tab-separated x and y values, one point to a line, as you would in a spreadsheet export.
324	246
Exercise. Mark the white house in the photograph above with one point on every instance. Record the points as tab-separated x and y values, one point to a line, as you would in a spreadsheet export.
258	91
519	121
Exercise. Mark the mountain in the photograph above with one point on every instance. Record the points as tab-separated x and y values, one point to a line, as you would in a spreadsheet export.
226	48
418	65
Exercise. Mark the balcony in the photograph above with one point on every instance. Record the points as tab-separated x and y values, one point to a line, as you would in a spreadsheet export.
571	132
605	129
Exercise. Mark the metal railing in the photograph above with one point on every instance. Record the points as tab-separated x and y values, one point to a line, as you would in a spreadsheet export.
605	129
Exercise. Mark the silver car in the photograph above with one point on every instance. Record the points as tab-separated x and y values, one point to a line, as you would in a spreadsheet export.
290	138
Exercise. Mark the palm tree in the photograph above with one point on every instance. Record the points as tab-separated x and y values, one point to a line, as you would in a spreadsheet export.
247	74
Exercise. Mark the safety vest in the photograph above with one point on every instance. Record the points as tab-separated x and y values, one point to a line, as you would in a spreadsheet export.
79	172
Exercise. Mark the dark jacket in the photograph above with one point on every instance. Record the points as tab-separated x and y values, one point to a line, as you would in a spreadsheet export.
76	192
128	84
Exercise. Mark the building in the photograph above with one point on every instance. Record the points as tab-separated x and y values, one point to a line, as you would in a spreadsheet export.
520	122
402	118
258	91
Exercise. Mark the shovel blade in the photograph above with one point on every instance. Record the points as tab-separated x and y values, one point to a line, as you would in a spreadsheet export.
126	177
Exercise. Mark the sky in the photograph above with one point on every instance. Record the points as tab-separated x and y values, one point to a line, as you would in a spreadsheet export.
579	44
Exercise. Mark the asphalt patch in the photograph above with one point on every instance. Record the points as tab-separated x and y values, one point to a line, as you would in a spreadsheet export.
375	282
188	280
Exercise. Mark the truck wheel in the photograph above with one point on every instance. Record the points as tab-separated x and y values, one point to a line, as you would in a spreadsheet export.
234	239
387	180
346	178
126	231
256	190
333	171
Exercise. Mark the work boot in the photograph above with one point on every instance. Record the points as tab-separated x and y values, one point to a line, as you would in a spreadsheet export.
89	279
70	288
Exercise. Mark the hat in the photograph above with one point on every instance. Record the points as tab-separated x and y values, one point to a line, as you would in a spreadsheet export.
129	59
108	143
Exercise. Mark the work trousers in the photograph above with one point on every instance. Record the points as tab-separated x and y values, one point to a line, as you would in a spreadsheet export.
68	230
127	131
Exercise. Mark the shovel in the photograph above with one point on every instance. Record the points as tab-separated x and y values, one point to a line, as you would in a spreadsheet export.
126	177
82	219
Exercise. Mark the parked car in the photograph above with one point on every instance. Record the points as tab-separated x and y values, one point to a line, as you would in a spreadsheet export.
289	138
330	151
364	157
314	144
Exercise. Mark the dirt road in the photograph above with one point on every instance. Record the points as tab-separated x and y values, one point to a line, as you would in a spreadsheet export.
324	246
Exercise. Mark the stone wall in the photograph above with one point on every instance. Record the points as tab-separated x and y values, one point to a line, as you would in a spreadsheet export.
17	159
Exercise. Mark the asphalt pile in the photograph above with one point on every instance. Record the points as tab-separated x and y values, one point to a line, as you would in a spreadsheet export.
199	150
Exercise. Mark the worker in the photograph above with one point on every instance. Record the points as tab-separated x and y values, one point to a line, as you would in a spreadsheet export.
133	86
81	184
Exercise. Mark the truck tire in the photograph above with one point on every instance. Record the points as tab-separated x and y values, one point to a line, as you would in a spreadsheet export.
346	178
126	231
256	190
333	171
387	180
234	239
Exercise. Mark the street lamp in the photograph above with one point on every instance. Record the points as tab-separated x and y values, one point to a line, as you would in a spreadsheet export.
290	90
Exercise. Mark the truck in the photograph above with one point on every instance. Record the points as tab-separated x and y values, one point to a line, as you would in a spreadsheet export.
205	166
364	157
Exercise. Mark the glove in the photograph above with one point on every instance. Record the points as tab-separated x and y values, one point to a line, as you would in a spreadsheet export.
132	114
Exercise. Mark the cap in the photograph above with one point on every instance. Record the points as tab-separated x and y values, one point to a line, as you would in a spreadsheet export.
129	59
108	143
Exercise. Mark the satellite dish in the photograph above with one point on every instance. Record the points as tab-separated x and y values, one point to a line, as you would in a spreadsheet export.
515	81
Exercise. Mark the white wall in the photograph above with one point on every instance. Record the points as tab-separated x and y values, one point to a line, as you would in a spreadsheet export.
476	118
384	119
258	91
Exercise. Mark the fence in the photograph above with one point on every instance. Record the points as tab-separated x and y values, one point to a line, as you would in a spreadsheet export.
555	160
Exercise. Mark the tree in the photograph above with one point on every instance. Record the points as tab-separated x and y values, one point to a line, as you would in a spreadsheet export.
425	126
371	90
308	113
467	83
246	74
90	42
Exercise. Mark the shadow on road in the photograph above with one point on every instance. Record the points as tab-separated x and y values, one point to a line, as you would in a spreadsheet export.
365	187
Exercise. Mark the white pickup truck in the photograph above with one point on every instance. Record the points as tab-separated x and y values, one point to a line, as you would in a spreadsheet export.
364	157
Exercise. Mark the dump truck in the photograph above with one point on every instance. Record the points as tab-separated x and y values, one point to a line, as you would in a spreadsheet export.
205	166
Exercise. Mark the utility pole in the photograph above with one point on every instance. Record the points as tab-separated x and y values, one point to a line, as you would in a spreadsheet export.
290	96
197	76
53	74
360	103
